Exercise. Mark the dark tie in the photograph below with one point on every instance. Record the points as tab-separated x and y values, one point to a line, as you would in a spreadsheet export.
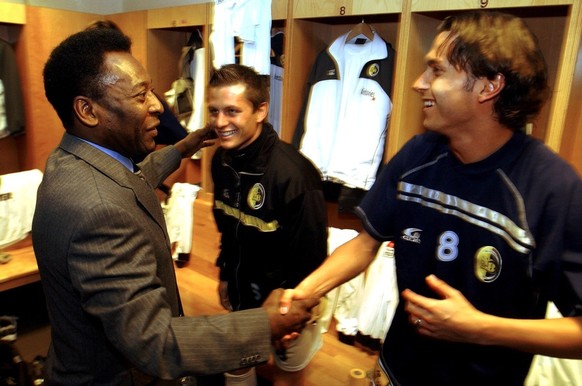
148	196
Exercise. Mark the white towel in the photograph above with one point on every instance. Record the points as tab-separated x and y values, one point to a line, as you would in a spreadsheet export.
179	214
17	203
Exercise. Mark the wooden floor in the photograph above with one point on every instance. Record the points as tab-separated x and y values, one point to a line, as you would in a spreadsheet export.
331	365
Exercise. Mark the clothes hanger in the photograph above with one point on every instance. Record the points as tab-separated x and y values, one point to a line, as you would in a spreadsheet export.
361	29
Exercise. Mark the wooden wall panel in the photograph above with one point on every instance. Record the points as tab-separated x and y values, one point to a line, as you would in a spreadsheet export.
571	148
9	157
45	28
12	13
134	25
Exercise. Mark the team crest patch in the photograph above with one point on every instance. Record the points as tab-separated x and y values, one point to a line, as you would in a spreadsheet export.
487	264
373	70
256	197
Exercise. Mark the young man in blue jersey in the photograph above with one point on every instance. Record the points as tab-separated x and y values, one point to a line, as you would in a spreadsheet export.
269	208
486	220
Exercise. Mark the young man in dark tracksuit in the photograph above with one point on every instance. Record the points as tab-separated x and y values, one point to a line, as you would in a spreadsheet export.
269	207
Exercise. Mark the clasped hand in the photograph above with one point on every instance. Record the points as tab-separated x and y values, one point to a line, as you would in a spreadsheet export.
288	325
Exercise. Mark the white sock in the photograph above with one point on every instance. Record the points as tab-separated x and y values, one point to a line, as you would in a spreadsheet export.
247	379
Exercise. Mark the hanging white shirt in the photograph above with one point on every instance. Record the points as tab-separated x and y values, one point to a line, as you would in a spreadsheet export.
250	21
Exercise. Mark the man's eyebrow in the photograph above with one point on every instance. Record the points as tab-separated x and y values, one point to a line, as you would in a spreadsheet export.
140	86
431	61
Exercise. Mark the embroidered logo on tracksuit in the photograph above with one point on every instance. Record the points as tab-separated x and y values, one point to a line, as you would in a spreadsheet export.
256	197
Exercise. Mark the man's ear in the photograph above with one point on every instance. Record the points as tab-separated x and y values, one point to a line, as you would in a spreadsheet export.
85	111
492	87
262	112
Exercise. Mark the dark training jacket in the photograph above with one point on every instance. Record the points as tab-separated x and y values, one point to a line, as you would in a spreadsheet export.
270	209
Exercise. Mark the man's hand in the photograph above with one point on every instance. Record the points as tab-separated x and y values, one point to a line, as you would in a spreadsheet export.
195	141
297	316
450	318
287	297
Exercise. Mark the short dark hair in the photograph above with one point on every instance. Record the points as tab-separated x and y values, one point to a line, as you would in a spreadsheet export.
98	24
487	43
75	68
257	86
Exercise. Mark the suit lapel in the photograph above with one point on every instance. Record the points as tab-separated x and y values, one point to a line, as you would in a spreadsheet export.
110	167
146	196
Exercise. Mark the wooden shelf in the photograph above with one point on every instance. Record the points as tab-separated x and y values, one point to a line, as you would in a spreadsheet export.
279	9
12	13
21	269
457	5
333	8
173	17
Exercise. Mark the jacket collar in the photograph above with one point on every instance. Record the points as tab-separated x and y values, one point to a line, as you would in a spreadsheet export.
254	157
117	172
96	158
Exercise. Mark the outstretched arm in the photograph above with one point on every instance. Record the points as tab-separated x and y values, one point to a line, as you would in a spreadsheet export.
346	262
453	318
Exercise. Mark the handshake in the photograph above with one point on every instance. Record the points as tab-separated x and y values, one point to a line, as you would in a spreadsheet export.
287	316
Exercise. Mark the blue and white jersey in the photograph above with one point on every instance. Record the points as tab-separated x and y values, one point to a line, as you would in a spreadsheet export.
343	123
505	231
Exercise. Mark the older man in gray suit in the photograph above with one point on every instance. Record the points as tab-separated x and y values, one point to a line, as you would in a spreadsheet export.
101	241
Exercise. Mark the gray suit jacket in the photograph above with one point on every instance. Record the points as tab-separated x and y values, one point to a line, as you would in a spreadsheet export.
103	253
